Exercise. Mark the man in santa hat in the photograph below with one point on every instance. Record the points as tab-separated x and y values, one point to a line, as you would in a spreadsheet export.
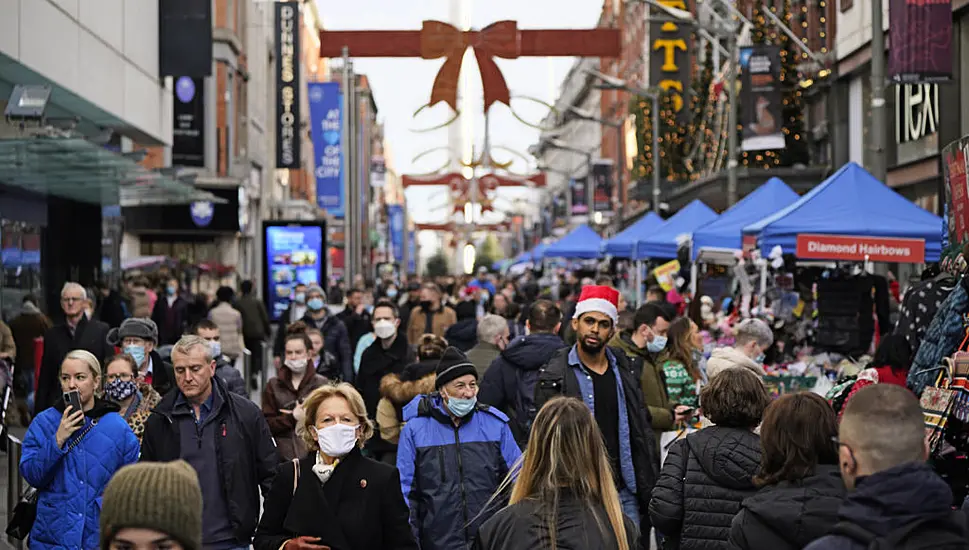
606	382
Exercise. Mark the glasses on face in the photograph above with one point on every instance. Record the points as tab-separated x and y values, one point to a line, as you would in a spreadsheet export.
125	376
71	299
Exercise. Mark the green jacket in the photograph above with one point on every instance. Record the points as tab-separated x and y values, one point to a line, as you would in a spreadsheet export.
653	383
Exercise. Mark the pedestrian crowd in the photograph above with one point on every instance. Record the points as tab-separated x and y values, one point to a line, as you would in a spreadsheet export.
457	414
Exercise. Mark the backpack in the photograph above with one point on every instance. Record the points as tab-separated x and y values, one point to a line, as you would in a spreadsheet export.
922	534
523	411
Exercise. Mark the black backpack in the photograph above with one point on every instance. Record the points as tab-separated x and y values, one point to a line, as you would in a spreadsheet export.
923	534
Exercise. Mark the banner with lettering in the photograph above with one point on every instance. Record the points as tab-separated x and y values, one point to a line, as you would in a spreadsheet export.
670	60
580	196
920	34
395	219
288	60
760	95
326	123
602	185
859	248
955	166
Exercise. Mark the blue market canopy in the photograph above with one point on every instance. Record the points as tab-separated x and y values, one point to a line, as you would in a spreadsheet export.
538	253
581	244
622	245
665	240
850	202
727	231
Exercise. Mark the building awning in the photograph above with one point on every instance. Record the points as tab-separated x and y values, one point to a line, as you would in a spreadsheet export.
80	170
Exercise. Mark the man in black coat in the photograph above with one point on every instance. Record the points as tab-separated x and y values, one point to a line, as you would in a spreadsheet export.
170	314
605	381
222	435
75	332
355	317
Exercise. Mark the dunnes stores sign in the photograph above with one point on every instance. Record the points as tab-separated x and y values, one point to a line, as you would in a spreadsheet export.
669	56
287	85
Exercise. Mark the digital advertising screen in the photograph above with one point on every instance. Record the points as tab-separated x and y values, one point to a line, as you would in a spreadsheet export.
295	253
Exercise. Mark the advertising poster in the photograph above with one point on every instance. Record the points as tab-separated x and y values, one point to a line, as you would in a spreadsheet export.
326	126
580	196
602	185
395	219
760	94
288	60
188	129
955	168
294	253
920	34
411	252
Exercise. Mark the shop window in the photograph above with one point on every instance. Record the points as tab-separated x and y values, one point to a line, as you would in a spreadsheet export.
192	253
20	253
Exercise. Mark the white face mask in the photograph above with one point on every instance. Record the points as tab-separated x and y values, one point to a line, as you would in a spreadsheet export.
298	366
337	440
384	329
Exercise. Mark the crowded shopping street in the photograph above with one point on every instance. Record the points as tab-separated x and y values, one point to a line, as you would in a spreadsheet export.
464	275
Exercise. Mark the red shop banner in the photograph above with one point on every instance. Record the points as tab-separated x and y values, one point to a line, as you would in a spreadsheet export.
858	248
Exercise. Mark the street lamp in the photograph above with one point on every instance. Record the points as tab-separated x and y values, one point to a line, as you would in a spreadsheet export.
613	83
730	33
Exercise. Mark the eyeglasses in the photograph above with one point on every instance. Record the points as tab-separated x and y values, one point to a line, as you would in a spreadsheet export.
71	299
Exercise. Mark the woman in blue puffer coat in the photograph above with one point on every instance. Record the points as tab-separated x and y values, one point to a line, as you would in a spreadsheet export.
69	456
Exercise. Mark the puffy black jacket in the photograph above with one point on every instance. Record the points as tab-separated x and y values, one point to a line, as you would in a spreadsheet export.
704	479
897	497
509	383
463	334
246	452
789	515
522	526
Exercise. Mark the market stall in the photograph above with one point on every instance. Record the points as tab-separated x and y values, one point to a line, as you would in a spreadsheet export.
622	245
665	241
582	243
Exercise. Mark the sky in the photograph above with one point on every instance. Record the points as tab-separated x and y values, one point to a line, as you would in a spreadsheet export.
401	86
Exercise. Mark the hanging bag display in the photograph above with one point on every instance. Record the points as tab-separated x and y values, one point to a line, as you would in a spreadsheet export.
937	402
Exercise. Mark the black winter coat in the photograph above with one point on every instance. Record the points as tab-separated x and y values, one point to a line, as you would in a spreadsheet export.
89	335
463	334
788	516
246	452
522	526
163	374
557	378
359	508
704	479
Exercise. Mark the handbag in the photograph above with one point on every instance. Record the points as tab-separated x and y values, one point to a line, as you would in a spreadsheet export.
937	402
24	514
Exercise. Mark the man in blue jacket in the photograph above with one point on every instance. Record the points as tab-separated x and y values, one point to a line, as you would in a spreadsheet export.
453	454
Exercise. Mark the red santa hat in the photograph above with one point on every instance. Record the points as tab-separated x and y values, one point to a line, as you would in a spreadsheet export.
600	299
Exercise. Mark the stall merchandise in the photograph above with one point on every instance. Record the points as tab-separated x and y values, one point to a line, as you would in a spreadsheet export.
919	306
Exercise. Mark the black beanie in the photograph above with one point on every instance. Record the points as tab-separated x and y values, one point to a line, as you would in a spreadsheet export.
453	364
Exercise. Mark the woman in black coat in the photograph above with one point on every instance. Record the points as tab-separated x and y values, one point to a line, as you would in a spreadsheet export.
340	499
801	486
709	473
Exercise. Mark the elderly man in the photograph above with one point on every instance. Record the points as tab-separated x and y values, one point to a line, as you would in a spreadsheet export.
76	331
493	335
138	338
223	436
753	337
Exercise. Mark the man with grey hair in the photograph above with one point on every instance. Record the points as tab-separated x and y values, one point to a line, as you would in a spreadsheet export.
493	334
895	499
75	331
222	435
753	338
138	338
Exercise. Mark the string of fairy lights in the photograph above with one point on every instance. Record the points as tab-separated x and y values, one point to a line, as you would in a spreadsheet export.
697	148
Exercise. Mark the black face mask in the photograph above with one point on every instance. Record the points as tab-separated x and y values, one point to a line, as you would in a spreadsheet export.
426	304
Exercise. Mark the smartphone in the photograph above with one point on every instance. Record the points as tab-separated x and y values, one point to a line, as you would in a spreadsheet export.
73	398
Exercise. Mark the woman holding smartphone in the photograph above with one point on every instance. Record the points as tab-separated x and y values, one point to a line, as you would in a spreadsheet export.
70	452
284	393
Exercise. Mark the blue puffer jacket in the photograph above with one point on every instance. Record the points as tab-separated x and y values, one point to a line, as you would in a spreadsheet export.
448	473
70	484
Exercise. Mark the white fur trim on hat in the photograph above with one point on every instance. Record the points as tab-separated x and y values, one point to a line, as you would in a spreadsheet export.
597	305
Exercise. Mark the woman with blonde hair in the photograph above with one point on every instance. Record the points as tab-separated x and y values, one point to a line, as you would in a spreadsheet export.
564	496
334	497
69	454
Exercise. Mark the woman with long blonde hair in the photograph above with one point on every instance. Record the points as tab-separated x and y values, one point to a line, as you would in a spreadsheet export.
564	496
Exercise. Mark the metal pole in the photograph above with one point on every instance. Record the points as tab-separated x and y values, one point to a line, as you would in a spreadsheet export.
347	143
732	122
878	125
656	163
620	158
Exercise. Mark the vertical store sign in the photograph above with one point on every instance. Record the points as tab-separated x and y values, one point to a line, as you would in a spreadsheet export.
920	34
188	129
326	121
762	116
395	218
669	60
287	85
602	185
411	252
916	121
580	196
955	168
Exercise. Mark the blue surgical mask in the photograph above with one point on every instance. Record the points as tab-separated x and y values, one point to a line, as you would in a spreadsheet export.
300	297
461	407
315	304
216	349
760	358
657	345
138	352
171	290
391	293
